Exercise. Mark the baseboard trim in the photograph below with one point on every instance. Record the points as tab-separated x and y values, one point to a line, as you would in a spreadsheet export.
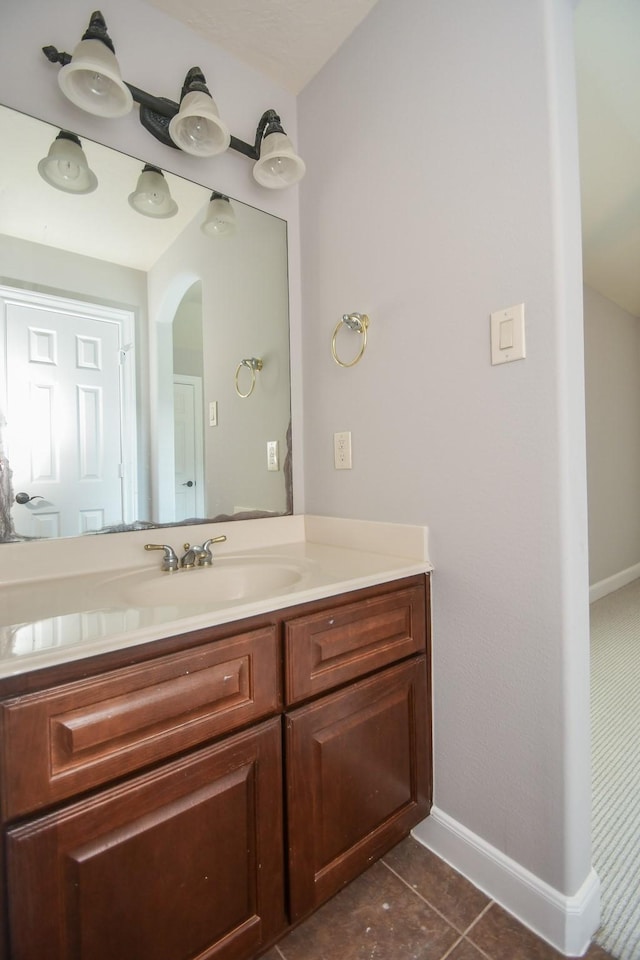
567	923
609	584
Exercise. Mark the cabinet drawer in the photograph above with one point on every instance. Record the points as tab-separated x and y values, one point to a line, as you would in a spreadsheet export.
326	649
74	737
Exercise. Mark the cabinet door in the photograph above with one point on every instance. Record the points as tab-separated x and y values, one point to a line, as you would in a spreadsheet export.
359	777
183	862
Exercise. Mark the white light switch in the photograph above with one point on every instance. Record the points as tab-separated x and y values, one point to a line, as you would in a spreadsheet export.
213	413
507	334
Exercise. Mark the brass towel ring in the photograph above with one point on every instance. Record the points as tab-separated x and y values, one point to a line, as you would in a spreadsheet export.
358	322
253	363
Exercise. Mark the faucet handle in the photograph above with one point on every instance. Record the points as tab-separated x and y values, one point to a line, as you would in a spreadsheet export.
170	559
206	557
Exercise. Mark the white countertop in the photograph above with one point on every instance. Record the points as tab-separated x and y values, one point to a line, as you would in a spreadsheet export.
59	595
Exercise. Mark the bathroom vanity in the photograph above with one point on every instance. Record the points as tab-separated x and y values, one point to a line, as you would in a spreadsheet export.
196	794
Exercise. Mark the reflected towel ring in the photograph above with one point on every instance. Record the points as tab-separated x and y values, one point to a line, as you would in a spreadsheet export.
359	323
253	363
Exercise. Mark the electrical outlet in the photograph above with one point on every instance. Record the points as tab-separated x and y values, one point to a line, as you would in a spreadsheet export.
342	450
272	455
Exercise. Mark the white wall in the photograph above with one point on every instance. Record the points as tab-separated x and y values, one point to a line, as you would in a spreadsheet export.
612	375
155	53
442	185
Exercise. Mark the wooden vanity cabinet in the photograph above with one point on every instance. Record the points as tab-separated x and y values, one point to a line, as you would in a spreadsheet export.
358	761
143	804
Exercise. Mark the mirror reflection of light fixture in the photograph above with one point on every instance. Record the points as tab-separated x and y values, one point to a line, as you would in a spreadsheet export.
220	220
91	80
152	197
278	165
65	167
197	127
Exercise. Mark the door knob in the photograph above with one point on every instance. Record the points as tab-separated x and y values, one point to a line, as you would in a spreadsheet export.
25	498
188	483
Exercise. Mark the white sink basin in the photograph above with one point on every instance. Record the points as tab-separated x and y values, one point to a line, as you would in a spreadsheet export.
229	579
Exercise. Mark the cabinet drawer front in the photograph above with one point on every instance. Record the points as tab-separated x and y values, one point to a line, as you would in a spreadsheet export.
62	741
177	862
326	649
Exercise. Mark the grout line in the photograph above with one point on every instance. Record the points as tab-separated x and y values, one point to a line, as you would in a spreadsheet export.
280	953
452	948
435	909
473	924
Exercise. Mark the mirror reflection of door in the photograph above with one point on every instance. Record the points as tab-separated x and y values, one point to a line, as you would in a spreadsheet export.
188	451
188	421
62	371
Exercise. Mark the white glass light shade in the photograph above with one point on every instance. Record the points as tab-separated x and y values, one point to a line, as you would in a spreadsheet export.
220	220
93	82
279	165
151	196
65	167
197	127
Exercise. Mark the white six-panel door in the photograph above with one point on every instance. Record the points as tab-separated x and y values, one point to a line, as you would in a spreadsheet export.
63	412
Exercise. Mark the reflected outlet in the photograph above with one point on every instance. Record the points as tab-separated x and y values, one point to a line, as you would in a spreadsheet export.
272	455
342	450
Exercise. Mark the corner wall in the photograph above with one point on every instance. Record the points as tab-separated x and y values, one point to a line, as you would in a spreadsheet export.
442	185
612	377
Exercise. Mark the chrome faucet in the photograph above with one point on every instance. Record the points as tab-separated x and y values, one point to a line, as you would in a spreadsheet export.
196	556
170	560
193	556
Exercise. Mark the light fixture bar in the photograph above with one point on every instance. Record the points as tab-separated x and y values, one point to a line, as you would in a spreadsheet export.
156	112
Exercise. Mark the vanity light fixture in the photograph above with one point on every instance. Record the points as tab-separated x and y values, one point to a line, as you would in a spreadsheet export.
278	164
197	127
220	220
65	167
152	197
91	79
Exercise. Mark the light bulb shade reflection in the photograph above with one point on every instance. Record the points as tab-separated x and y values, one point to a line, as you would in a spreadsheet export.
65	167
220	220
151	197
92	81
279	165
197	127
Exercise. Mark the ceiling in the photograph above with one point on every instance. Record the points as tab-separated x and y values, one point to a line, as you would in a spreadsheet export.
288	40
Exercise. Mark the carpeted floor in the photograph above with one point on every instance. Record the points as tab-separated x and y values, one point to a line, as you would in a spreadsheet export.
615	719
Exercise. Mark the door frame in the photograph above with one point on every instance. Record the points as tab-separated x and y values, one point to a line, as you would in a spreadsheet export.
125	322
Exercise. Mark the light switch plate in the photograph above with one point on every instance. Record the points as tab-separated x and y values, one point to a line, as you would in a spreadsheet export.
507	334
213	413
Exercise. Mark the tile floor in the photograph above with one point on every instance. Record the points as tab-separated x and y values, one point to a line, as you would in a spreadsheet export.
412	906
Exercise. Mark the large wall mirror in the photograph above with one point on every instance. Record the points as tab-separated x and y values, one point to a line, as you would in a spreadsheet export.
144	363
